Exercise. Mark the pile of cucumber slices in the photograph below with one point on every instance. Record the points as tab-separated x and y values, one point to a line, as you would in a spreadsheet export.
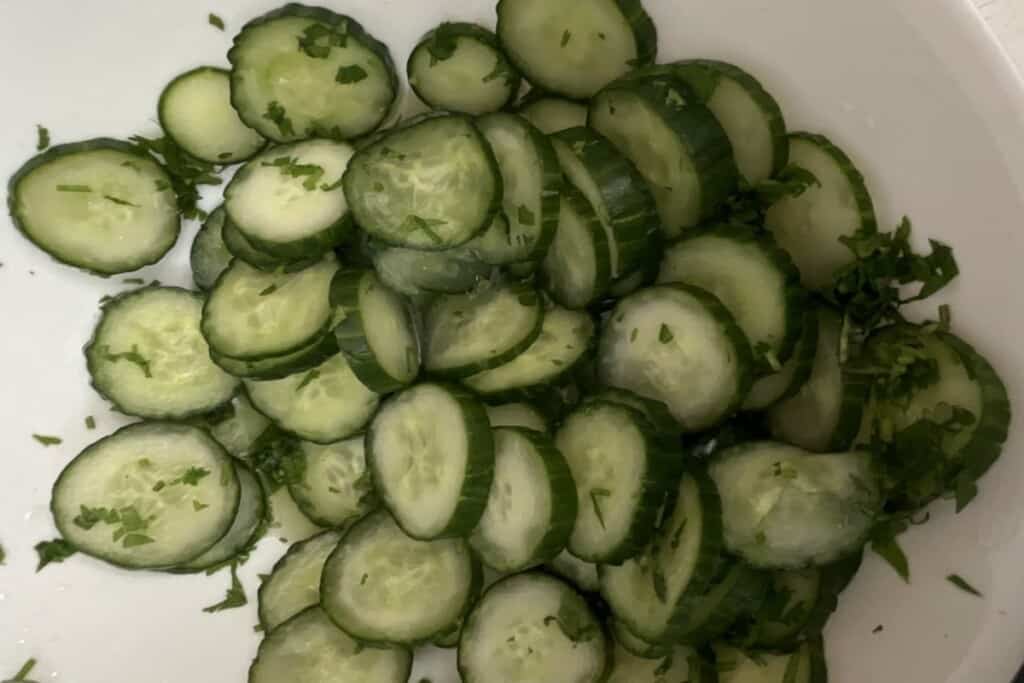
607	382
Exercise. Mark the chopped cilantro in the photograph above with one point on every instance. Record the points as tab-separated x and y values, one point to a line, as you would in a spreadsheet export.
3	555
23	672
526	216
54	551
566	37
235	596
276	114
42	138
199	505
192	476
186	173
878	629
133	281
352	73
442	44
278	458
884	543
132	356
215	21
633	335
119	201
310	377
595	494
74	188
318	39
268	291
291	167
48	440
960	583
665	334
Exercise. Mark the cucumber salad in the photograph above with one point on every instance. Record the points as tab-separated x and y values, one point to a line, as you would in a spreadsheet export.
591	369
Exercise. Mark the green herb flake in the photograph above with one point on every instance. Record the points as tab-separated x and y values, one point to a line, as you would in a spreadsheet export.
352	73
159	486
526	216
132	356
318	39
595	495
3	555
278	457
193	475
962	584
133	281
74	188
134	540
42	138
291	168
119	201
363	579
186	173
199	505
633	335
413	223
235	596
566	37
502	69
48	440
574	621
268	291
878	629
311	376
23	672
53	552
884	543
277	115
660	585
215	21
442	44
665	334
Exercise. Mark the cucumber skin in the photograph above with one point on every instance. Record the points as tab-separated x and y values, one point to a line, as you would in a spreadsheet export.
292	551
350	333
58	151
476	487
325	16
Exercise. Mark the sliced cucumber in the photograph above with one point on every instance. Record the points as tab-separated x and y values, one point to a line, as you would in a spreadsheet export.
653	593
677	145
311	649
578	572
677	344
433	184
196	113
432	456
239	428
532	504
552	115
809	226
382	586
294	583
621	479
335	487
517	415
460	67
618	193
300	72
101	205
276	367
577	268
564	339
252	315
531	179
783	507
470	333
209	256
674	667
377	334
148	357
795	372
749	115
574	49
324	405
826	413
151	495
413	272
529	628
752	278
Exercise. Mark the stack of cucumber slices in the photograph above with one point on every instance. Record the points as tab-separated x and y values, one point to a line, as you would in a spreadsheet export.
607	382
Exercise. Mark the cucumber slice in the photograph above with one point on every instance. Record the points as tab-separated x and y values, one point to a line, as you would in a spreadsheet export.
413	272
618	193
826	413
335	487
148	357
621	479
532	627
564	339
552	115
101	205
311	649
785	508
460	67
636	647
288	201
653	593
677	344
795	372
675	666
577	268
324	405
277	367
294	583
575	49
676	144
382	586
209	256
470	333
517	415
656	412
432	456
749	115
250	524
151	495
433	184
809	226
739	591
532	504
252	315
531	179
752	278
377	334
578	572
804	665
195	112
238	430
300	72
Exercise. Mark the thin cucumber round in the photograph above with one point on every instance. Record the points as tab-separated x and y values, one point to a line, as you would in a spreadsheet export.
785	508
533	627
633	645
101	205
377	334
517	415
277	367
239	427
148	357
152	495
311	649
532	504
431	452
300	72
335	487
574	49
795	372
460	67
210	256
294	583
552	115
195	112
379	585
323	405
577	268
433	184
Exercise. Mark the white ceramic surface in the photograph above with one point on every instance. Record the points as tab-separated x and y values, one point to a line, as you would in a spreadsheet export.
915	90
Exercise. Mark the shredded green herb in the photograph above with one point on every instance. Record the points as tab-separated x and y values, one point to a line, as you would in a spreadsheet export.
235	596
352	73
132	356
52	552
186	173
525	216
42	138
665	334
960	583
566	37
74	188
278	116
595	494
23	672
48	440
291	167
318	39
442	44
119	201
215	21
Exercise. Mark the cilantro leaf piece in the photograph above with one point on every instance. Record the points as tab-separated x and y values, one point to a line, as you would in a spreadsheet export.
235	596
193	475
119	201
277	115
186	173
291	167
42	138
526	216
54	551
23	672
74	188
566	37
132	356
442	44
3	555
665	334
268	291
884	543
962	584
594	495
215	21
48	440
502	69
311	376
318	39
352	73
277	456
574	622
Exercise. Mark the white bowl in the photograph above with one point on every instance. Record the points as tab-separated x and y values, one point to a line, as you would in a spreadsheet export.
916	92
